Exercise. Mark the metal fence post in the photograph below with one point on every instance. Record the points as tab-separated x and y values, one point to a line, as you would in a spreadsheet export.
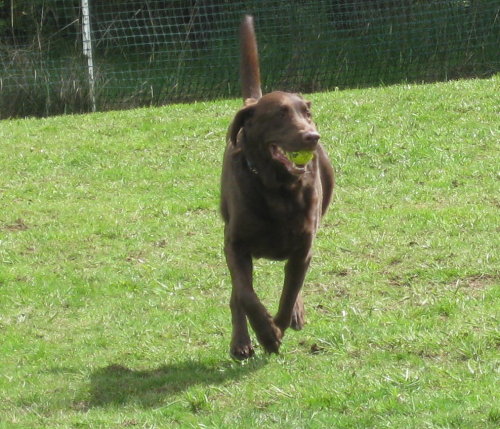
87	51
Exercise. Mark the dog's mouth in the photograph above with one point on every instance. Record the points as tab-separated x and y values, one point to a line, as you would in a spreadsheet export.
294	162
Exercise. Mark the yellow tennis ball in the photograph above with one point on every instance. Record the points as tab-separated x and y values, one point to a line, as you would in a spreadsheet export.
301	158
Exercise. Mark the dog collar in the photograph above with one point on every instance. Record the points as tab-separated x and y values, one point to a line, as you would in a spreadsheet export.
251	167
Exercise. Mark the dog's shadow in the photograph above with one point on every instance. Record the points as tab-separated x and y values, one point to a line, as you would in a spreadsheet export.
116	384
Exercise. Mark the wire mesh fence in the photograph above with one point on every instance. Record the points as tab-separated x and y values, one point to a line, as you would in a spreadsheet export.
155	52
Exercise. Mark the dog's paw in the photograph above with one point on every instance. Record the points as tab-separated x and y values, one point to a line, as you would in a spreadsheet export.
268	333
241	351
298	316
270	337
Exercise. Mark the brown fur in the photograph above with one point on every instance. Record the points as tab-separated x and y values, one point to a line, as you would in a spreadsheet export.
270	206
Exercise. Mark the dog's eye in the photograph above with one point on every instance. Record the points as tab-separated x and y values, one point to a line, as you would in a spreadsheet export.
284	110
307	113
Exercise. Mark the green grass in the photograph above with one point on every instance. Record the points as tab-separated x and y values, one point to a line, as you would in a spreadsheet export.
114	291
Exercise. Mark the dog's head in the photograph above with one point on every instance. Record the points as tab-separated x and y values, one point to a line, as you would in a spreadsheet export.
278	131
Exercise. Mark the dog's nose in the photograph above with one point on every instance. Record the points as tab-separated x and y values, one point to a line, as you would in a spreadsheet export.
311	138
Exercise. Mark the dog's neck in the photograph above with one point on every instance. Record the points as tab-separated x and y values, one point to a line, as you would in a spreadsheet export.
241	139
273	183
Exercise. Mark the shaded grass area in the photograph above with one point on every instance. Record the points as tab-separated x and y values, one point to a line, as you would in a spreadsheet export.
114	290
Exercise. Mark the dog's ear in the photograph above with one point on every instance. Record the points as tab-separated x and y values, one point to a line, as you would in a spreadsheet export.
239	120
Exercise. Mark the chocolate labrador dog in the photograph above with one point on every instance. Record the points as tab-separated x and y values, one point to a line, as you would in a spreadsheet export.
276	185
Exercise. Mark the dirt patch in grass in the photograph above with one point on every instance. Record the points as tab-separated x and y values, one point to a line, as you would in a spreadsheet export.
18	225
477	282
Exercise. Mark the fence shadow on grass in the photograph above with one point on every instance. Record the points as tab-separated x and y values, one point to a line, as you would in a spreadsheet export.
116	384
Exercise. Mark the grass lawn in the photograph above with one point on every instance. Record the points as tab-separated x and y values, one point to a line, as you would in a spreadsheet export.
114	291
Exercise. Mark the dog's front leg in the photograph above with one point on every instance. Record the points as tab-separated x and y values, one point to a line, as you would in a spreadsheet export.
240	267
291	307
245	303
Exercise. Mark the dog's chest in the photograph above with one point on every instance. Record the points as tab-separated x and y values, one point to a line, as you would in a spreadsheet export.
285	223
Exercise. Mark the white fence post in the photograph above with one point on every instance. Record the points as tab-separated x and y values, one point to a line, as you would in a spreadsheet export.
87	50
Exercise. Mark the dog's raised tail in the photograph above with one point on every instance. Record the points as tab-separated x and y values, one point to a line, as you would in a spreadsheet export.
249	60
